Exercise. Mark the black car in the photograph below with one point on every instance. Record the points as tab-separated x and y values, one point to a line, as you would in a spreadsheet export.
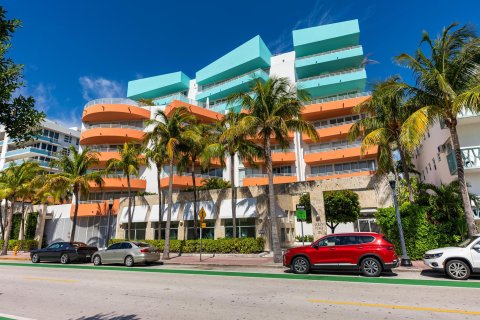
64	252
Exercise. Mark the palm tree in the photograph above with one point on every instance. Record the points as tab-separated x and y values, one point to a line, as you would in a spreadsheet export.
156	152
172	131
273	110
129	164
446	81
13	181
74	177
386	111
231	141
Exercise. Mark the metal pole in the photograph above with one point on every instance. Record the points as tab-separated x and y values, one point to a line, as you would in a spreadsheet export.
303	237
201	229
405	261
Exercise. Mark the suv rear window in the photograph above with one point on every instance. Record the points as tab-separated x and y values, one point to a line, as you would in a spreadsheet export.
365	239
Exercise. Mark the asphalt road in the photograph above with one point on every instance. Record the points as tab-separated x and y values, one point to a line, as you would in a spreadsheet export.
169	292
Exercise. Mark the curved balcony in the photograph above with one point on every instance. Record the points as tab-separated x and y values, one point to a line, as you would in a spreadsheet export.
330	133
329	107
110	135
314	157
119	183
202	114
94	208
181	181
104	110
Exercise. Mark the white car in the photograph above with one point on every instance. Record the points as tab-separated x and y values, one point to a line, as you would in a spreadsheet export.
457	262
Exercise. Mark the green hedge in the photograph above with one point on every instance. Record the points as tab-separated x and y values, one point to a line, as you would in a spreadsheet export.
23	245
223	245
420	235
306	238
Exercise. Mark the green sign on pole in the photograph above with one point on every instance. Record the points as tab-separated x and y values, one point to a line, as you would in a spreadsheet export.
301	213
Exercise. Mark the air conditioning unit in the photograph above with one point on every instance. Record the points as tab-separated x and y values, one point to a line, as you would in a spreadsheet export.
442	148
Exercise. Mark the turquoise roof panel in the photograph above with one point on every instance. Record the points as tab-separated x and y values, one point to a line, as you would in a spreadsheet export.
251	55
157	86
325	38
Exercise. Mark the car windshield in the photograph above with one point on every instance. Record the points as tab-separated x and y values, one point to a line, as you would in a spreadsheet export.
465	243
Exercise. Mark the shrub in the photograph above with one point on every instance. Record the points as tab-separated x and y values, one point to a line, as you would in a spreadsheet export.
306	238
341	206
222	245
24	245
420	235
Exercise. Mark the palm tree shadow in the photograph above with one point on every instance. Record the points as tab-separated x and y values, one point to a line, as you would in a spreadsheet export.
109	316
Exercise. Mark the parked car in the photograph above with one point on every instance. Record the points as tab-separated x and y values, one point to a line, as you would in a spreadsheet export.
368	252
64	252
457	262
127	253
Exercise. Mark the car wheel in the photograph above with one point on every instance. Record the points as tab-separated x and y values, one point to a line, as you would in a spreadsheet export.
300	265
35	258
129	261
97	260
371	267
64	258
458	270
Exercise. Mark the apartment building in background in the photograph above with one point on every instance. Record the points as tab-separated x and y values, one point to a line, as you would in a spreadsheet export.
326	61
52	141
435	158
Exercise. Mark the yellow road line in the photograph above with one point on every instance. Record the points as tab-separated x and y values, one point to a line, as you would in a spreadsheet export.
388	306
52	280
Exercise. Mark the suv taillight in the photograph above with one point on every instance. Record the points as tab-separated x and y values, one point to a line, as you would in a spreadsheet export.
390	248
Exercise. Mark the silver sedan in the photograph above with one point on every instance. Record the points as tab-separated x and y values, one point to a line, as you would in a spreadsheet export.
128	253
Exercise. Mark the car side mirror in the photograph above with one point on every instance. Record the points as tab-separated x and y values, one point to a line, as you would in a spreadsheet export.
315	245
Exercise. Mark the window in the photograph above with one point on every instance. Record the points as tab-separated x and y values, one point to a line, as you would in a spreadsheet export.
115	246
245	228
438	157
366	225
173	229
434	164
138	230
54	246
126	245
284	170
327	242
207	233
65	151
67	139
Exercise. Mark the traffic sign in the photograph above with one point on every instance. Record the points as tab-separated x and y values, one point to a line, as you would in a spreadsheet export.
301	213
203	225
202	214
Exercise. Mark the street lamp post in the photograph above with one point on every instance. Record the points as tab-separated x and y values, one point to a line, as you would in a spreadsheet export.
405	260
110	206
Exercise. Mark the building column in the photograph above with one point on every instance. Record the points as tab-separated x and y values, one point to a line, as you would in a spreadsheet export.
181	230
149	231
319	225
39	230
219	231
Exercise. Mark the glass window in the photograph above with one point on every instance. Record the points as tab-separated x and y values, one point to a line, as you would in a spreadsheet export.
327	242
345	240
173	229
245	228
364	239
115	246
207	233
126	245
138	230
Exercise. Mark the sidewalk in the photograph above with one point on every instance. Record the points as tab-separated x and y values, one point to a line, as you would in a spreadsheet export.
219	260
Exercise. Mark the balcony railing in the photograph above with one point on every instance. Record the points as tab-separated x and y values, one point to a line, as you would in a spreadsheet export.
111	101
264	175
175	96
48	139
283	150
340	96
470	156
331	147
115	125
328	52
219	83
467	113
30	149
331	74
331	173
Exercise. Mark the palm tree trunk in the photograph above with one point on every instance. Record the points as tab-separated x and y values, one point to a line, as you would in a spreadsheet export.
406	173
166	248
277	252
75	213
195	218
129	211
472	229
234	195
8	227
21	235
159	170
2	217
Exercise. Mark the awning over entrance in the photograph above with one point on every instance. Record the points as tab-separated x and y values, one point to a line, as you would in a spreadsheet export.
246	208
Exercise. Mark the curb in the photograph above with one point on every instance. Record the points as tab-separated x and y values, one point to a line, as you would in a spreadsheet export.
221	265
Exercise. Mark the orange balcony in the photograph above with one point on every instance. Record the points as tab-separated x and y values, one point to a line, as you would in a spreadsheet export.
114	112
104	156
262	180
330	133
272	138
343	155
203	115
95	209
342	175
119	184
331	109
110	135
181	181
278	158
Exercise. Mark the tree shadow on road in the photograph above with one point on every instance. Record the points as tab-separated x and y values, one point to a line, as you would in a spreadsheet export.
109	316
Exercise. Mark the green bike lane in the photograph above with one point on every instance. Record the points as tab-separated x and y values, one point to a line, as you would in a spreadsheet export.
389	279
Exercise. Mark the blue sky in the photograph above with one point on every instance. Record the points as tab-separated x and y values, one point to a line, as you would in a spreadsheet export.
75	51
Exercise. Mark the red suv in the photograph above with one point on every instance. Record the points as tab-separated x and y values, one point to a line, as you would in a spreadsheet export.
368	252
